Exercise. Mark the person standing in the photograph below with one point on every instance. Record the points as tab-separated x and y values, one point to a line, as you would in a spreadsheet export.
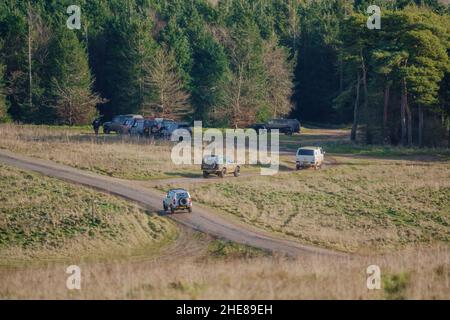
96	125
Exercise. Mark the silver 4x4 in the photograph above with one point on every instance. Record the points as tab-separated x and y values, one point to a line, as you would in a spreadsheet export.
219	166
177	199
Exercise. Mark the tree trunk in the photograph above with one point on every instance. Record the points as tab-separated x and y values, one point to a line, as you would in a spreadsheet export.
420	126
387	90
366	99
341	74
355	110
447	120
409	116
30	77
403	112
448	129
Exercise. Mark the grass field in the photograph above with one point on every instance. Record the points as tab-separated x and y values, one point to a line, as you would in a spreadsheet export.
414	274
390	206
112	155
45	219
354	204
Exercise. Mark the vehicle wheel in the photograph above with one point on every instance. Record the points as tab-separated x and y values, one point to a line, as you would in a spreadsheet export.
165	207
289	132
205	174
237	171
223	172
190	210
106	131
172	209
298	167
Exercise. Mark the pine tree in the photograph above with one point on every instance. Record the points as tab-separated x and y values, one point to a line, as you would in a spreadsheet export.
427	44
3	107
210	72
355	53
130	47
13	26
177	40
71	82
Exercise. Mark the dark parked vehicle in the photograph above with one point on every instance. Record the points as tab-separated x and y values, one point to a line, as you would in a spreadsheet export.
186	126
137	129
150	125
286	126
120	124
155	126
169	127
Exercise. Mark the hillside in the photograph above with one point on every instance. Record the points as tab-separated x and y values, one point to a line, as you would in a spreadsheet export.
43	218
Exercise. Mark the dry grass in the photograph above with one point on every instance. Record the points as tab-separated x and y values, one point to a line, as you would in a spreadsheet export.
112	155
357	205
396	205
414	274
44	218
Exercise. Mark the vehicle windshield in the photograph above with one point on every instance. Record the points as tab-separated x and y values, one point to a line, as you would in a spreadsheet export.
213	159
182	195
305	152
277	121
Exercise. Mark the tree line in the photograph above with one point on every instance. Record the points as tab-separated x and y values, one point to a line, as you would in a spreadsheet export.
231	63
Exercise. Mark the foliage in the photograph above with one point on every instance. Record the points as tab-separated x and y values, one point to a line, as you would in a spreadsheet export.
240	61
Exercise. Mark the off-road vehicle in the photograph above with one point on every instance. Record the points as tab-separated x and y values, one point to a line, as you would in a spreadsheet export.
177	199
286	126
120	124
309	157
220	166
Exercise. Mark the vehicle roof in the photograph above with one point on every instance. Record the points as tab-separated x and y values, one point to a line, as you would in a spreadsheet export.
281	119
214	156
179	190
133	115
309	148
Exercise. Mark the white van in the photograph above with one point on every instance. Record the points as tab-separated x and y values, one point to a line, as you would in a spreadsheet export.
309	157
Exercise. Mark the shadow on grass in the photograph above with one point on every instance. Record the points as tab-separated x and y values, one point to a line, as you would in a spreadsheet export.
382	152
183	174
100	139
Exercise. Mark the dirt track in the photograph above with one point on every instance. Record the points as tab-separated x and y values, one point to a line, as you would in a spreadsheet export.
202	219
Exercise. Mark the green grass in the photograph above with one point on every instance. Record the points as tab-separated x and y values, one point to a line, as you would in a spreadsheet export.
385	151
336	145
221	249
360	205
395	285
112	155
44	217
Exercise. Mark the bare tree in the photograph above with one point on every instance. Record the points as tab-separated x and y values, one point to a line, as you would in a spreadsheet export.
236	108
279	78
245	92
170	99
75	105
